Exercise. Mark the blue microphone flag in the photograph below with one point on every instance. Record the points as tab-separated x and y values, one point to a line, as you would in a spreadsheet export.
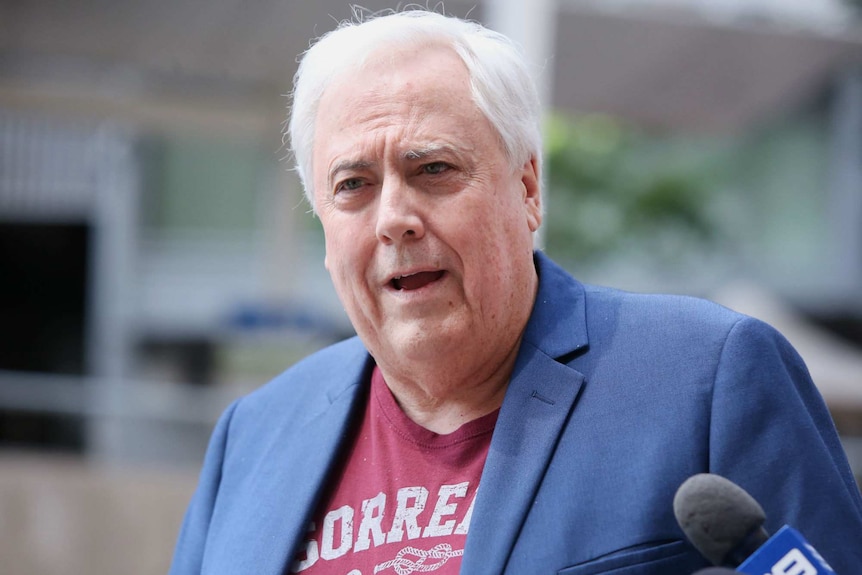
786	553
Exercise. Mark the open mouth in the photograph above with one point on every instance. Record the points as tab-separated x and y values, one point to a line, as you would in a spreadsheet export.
416	281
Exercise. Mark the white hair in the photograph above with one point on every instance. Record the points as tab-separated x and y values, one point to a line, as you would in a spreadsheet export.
501	84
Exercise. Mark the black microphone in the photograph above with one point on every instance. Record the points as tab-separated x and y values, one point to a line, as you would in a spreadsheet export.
720	519
715	571
725	524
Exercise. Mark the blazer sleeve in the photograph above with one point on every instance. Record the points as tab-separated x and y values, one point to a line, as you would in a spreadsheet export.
191	543
771	433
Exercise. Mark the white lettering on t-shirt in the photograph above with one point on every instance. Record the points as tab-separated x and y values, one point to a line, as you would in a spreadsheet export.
464	527
371	525
407	515
443	508
343	516
338	535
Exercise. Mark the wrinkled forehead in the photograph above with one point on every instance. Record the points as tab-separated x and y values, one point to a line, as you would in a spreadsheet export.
402	84
418	57
424	90
390	68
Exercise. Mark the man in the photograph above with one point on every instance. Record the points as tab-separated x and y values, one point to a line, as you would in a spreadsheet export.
493	415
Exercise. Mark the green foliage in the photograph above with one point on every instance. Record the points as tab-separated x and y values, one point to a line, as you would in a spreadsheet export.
609	188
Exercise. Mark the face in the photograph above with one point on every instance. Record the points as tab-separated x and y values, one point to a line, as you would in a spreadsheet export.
428	226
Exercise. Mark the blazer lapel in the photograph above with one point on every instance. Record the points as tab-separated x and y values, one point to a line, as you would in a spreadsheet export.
539	401
537	405
287	486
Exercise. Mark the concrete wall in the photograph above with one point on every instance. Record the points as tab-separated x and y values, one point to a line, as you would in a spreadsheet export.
61	515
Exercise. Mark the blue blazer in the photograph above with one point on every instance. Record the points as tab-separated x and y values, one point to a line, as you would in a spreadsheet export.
614	401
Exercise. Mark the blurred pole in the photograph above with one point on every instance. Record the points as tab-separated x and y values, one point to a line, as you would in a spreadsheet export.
846	186
533	25
115	220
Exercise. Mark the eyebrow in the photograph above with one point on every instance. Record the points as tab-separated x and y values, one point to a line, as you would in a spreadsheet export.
422	153
414	154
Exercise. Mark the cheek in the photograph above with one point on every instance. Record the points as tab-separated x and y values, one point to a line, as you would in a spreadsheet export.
482	233
336	238
347	261
337	257
337	262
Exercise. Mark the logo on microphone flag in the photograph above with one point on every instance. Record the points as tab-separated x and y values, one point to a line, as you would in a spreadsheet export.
786	553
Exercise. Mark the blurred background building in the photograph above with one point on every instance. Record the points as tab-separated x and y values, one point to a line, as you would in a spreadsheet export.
157	259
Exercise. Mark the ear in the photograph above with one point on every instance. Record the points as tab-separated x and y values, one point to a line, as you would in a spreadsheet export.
531	182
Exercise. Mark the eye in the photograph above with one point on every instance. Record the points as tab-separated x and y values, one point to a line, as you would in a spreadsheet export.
349	185
435	168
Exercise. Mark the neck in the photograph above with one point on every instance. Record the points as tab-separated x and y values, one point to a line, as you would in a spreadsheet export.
441	399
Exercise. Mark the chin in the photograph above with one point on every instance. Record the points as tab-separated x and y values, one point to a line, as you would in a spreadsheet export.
421	342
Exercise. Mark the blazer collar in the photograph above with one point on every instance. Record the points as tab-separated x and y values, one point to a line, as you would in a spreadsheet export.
558	324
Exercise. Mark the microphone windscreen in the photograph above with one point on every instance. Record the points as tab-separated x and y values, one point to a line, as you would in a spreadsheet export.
716	515
716	571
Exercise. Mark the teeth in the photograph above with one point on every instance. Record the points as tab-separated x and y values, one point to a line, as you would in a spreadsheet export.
396	281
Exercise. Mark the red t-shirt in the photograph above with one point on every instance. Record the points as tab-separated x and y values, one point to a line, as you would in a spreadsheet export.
404	499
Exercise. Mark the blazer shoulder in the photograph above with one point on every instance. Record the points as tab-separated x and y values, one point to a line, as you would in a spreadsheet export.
570	316
658	327
673	312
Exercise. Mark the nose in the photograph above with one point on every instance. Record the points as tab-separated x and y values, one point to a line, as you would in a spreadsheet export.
398	215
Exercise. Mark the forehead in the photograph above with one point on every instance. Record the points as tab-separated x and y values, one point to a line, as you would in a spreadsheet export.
393	80
417	97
